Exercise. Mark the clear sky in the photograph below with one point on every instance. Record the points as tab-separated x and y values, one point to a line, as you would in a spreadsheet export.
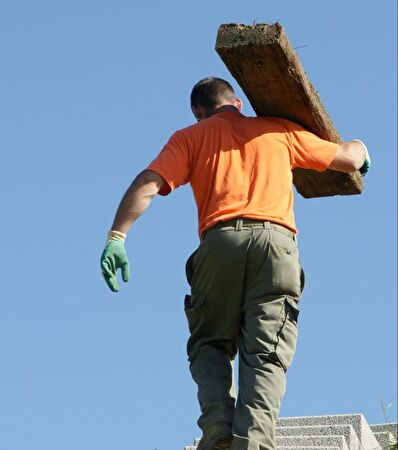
89	93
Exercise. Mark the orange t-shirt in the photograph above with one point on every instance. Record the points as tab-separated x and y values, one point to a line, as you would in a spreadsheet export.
241	166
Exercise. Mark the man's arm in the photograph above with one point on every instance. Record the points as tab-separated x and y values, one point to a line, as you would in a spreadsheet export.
134	202
137	199
350	156
310	151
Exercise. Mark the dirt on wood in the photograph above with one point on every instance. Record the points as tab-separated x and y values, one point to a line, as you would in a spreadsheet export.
265	65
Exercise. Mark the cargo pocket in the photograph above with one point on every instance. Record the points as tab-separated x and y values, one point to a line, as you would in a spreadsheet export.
302	278
195	310
287	333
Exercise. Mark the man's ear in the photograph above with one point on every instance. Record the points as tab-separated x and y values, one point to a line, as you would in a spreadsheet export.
239	103
196	112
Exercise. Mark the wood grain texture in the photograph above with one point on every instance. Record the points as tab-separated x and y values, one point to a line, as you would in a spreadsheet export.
265	65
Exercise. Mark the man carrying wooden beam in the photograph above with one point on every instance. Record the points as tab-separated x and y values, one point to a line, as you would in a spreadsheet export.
246	278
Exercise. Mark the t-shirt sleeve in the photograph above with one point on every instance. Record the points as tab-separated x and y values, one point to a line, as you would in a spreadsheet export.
309	151
172	163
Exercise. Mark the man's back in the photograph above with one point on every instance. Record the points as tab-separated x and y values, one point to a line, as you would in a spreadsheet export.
241	166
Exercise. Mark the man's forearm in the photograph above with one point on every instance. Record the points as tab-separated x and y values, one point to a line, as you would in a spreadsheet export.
350	156
136	200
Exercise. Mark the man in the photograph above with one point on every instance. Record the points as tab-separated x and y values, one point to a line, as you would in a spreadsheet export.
245	277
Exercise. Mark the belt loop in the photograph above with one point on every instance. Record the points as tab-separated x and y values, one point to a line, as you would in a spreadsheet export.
238	225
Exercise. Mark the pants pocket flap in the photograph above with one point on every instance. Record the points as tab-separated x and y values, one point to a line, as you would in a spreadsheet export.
293	303
194	301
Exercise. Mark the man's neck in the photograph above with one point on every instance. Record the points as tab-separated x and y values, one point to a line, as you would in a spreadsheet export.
222	108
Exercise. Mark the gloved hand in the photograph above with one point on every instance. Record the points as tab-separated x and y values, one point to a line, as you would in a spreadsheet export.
366	165
114	257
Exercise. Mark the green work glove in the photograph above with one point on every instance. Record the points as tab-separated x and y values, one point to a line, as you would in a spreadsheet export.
114	257
366	165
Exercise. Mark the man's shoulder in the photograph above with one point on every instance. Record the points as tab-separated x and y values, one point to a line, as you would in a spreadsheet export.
268	123
196	129
188	130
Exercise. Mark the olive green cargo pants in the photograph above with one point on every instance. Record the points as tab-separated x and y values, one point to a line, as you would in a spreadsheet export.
246	280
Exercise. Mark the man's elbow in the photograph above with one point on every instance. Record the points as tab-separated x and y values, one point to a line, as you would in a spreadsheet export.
150	179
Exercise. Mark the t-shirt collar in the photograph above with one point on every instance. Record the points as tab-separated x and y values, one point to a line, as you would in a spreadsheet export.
231	112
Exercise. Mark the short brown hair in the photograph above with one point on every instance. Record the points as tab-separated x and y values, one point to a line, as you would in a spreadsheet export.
211	91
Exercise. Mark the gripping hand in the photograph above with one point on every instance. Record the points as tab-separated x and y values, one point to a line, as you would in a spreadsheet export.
114	257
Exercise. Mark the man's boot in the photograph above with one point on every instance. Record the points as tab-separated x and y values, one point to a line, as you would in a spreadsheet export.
216	437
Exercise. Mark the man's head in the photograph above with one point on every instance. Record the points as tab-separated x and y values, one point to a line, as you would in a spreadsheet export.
210	94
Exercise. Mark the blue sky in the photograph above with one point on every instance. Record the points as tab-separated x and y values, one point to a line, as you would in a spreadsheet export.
89	93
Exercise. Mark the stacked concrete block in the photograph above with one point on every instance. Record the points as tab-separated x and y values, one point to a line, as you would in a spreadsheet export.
312	442
308	448
328	432
337	432
386	434
356	421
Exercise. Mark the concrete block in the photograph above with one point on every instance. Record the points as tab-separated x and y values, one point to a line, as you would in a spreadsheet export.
357	421
390	427
385	439
308	448
323	430
343	431
312	441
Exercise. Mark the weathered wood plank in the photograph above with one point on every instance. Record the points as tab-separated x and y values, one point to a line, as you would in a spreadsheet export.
263	62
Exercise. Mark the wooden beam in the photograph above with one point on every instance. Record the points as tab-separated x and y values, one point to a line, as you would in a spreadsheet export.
263	62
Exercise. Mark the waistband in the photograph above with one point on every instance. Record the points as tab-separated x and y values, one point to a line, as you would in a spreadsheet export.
242	223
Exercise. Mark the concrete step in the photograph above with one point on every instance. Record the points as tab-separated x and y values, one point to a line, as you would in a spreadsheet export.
357	421
385	439
347	431
390	427
303	443
343	431
289	447
308	448
194	447
312	441
386	434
